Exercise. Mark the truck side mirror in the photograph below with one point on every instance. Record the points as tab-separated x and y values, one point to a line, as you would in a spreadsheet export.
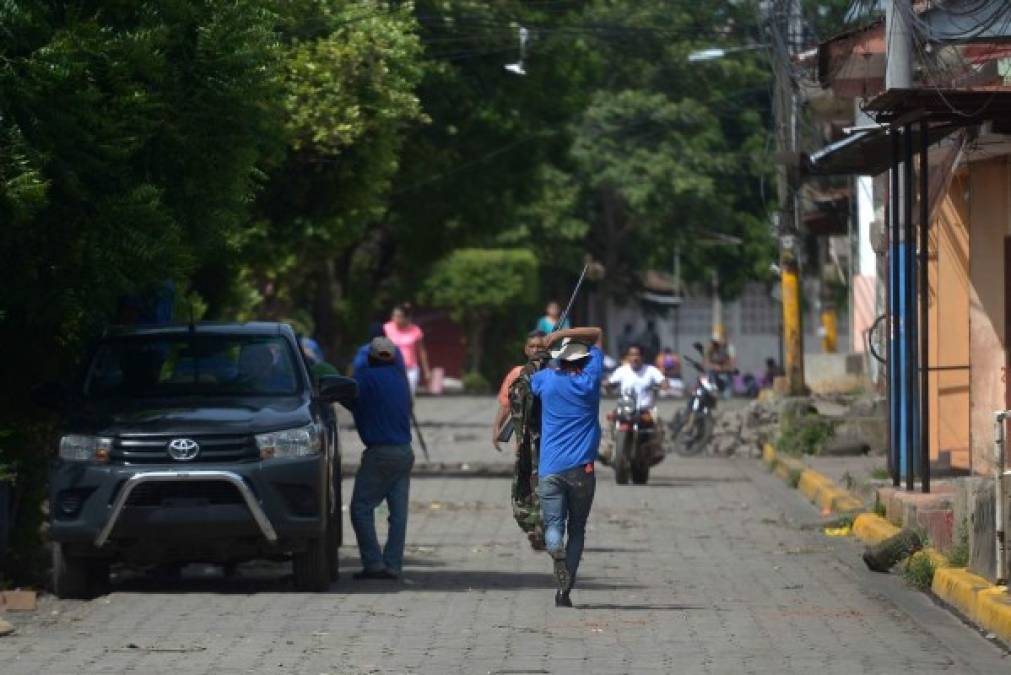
338	389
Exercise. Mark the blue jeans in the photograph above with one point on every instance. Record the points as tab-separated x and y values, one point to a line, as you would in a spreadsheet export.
566	499
384	474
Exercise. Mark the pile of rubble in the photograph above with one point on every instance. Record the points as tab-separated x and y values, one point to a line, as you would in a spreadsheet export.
859	423
743	431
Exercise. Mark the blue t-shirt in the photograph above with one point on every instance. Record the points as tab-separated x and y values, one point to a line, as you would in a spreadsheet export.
382	411
570	405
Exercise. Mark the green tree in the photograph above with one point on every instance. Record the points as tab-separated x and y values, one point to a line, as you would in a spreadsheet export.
349	72
612	144
478	286
131	136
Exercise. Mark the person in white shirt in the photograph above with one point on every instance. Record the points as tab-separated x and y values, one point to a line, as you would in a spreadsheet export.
639	378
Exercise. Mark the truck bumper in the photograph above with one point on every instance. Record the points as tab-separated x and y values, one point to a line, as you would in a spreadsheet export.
274	500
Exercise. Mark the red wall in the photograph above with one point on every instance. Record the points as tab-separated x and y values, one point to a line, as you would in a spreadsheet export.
444	340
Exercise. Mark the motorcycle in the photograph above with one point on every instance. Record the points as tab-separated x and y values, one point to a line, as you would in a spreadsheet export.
636	439
692	427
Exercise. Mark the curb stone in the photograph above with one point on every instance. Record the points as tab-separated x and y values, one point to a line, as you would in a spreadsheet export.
818	488
986	605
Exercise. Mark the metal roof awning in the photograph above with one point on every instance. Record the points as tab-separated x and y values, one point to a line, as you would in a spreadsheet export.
968	106
866	152
970	22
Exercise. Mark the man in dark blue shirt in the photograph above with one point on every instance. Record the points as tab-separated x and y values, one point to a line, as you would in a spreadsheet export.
383	418
570	434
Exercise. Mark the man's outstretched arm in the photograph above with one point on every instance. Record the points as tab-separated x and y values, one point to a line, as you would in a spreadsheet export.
589	334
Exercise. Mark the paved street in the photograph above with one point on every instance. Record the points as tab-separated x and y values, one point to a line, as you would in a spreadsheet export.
715	567
458	429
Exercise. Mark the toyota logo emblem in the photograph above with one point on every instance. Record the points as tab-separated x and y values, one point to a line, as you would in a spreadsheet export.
183	449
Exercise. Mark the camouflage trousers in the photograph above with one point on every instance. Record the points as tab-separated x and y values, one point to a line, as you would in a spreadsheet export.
527	505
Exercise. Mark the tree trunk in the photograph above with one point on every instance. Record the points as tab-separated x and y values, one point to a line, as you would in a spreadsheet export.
324	307
476	343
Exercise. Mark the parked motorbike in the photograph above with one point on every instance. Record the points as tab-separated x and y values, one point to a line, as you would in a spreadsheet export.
692	427
636	441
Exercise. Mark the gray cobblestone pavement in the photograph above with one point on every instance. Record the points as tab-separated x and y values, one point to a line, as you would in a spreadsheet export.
714	567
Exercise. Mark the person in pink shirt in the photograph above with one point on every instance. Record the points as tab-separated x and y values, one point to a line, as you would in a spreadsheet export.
410	340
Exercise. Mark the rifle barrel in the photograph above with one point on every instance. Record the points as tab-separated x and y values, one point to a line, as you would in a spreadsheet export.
572	298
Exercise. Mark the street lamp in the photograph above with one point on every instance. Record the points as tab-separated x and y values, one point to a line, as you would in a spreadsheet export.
518	67
785	112
713	53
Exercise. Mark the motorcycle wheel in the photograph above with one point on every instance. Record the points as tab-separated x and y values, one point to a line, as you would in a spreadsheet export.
676	423
620	460
695	437
640	473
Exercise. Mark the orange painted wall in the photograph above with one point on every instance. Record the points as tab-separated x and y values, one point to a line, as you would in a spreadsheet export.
988	226
948	281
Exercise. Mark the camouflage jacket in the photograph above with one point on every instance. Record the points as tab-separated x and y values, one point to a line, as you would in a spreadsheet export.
526	418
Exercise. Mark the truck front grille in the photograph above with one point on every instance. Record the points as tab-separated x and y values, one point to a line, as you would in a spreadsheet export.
153	448
183	493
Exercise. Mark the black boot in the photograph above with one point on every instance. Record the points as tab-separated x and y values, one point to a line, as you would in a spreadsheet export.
562	599
562	575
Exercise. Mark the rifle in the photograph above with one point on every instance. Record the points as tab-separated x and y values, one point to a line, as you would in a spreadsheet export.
417	428
505	433
579	284
414	420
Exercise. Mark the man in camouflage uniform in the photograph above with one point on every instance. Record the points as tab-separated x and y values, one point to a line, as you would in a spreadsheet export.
573	396
526	417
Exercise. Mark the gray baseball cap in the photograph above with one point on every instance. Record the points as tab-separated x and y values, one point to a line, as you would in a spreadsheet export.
382	348
570	350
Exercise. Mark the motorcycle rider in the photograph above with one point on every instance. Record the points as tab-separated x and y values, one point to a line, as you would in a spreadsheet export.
636	377
719	363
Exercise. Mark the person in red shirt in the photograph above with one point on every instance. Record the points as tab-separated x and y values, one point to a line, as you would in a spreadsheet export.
410	340
529	349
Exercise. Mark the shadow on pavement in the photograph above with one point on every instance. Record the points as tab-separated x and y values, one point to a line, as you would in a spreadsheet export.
642	608
473	580
691	481
276	578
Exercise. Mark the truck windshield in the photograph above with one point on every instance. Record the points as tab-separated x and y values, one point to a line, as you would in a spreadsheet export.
188	365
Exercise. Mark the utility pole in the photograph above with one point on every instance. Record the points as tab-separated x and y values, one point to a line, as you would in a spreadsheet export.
677	296
786	21
898	46
719	331
902	362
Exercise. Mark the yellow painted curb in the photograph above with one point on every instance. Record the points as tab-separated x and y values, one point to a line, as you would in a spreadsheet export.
936	557
811	483
979	600
768	454
871	528
818	488
788	467
983	603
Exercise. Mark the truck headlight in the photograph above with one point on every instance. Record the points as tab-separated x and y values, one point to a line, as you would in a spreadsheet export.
81	448
297	442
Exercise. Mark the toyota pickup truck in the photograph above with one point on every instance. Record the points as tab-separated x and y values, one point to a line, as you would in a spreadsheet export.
195	443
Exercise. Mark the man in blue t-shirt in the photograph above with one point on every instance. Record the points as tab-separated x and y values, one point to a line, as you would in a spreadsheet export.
382	415
570	434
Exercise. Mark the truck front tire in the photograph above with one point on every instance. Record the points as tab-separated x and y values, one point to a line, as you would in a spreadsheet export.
79	578
312	566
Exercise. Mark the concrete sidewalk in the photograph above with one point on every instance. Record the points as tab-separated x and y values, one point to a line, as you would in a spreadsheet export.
712	568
